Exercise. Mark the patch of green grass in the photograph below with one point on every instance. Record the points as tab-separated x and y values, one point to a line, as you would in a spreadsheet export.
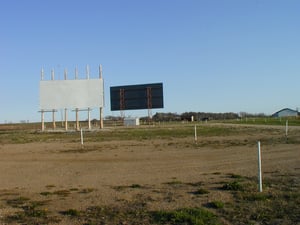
31	213
46	193
135	186
201	191
141	133
233	186
195	184
71	212
86	190
293	121
49	186
279	203
73	189
235	176
185	216
136	214
63	193
174	182
216	205
17	202
255	196
217	173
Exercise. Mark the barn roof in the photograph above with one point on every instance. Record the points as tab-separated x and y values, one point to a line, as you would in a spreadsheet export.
285	109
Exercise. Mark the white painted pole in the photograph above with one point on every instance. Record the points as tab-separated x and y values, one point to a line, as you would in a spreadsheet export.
196	133
81	137
259	167
286	128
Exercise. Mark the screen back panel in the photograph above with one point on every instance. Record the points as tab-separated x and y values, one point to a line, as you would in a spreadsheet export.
131	97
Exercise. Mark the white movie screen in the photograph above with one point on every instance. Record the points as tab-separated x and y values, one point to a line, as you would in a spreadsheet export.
71	94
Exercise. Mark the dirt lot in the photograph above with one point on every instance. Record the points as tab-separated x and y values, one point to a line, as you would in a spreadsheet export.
62	183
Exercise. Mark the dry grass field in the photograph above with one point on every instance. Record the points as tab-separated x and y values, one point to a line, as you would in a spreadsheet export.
150	175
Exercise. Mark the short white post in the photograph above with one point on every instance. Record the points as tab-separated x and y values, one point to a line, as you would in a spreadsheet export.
259	167
81	137
196	133
286	128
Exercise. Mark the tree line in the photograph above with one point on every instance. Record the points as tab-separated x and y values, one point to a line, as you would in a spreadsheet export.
203	116
195	116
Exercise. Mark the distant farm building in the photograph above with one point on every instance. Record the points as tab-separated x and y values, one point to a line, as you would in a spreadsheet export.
286	113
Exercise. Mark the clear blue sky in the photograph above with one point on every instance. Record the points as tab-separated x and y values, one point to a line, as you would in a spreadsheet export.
211	55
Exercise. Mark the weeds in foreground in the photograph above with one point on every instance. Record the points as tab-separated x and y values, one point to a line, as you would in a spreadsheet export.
30	212
233	186
124	187
201	191
71	212
279	203
65	193
185	216
216	205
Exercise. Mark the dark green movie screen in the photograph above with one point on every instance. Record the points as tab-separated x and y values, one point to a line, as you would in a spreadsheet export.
141	96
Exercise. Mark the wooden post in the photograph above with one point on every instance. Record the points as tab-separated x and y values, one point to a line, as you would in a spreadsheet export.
101	108
66	110
101	117
53	119
89	118
66	119
77	119
43	120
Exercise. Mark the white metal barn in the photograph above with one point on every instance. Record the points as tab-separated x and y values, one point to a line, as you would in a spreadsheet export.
286	112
